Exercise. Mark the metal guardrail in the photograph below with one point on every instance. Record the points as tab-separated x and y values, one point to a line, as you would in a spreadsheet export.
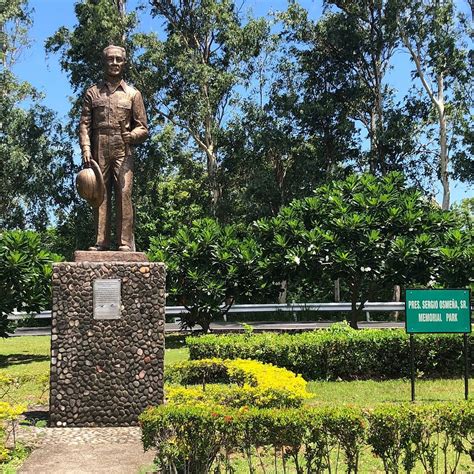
263	308
369	307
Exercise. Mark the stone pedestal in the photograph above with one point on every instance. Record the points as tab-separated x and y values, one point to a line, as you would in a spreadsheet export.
106	363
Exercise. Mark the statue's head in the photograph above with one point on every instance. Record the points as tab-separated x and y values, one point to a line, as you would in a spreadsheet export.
115	59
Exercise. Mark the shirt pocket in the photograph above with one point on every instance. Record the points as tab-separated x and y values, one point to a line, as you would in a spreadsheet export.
124	109
98	111
98	103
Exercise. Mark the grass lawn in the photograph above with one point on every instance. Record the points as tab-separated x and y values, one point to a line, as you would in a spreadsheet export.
27	360
371	392
26	355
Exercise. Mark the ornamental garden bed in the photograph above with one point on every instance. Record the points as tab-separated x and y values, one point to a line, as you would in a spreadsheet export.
256	419
25	361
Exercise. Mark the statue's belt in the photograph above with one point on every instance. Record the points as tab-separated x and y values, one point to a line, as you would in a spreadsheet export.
108	130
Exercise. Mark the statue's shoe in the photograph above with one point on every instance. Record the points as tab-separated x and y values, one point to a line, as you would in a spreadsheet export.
125	248
98	248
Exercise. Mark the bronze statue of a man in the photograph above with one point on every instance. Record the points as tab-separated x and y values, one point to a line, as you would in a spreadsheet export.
113	118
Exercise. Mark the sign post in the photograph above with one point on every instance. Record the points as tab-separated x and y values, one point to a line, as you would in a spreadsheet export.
438	311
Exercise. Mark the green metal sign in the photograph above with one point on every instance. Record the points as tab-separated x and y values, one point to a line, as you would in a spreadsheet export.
445	311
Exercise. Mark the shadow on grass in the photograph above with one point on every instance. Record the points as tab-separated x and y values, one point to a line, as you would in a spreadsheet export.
40	414
175	341
18	359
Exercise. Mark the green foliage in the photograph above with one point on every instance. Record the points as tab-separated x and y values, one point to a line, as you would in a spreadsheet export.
364	354
343	59
35	158
34	165
170	190
209	266
370	233
193	454
192	75
100	23
202	371
15	21
25	274
404	434
73	231
436	37
311	437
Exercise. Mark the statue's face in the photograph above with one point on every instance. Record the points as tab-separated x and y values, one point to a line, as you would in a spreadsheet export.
114	63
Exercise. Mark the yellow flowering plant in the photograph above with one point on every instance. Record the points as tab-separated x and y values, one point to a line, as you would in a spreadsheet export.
249	383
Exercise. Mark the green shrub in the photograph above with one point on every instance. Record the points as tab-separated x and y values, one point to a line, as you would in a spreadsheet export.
187	439
25	274
363	354
400	436
195	372
391	431
403	435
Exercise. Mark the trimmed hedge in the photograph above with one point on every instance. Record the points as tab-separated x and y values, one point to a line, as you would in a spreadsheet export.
201	439
346	354
252	383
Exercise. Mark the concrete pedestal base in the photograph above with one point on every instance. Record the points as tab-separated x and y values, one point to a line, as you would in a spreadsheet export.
108	256
105	372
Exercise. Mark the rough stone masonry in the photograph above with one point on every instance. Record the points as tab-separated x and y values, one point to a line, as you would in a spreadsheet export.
105	372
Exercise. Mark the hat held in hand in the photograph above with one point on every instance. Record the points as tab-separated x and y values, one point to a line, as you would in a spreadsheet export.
90	184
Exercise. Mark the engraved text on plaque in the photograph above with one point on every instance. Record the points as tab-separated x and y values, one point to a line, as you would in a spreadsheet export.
107	299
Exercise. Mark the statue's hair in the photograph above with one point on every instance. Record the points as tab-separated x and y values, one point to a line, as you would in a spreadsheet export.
112	46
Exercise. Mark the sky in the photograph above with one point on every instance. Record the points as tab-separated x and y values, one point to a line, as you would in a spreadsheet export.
45	73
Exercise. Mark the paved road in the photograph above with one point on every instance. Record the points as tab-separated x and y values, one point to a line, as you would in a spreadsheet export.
277	326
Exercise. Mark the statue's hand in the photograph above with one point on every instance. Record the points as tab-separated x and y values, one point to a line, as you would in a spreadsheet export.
86	157
126	137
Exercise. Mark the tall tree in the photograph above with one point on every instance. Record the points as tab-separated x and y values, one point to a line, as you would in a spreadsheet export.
196	69
361	38
344	59
34	157
99	23
433	34
287	138
372	233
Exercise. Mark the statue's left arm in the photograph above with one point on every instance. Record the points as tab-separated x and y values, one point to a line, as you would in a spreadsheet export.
139	126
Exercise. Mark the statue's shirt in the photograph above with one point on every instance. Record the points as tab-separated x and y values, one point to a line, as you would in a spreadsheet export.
106	110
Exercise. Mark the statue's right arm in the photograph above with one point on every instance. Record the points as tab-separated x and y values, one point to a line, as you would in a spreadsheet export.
85	128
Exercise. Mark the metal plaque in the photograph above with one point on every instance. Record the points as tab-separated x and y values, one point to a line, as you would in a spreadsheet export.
107	300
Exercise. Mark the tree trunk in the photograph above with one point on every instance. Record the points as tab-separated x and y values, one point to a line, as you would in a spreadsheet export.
443	142
377	160
212	174
373	141
121	7
380	164
121	11
354	311
337	290
284	292
396	298
438	102
378	79
279	170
